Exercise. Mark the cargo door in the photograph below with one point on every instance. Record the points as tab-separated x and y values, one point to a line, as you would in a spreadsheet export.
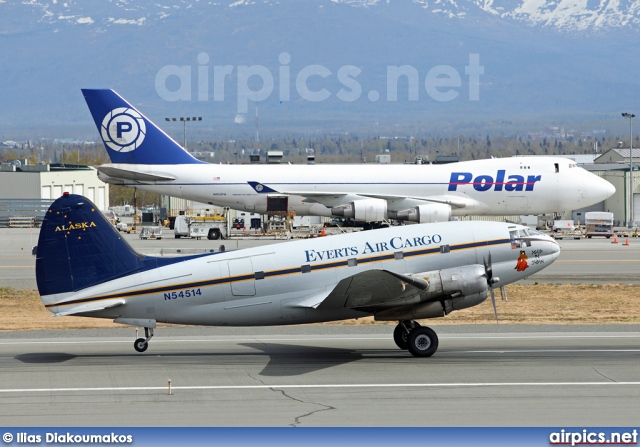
277	205
241	277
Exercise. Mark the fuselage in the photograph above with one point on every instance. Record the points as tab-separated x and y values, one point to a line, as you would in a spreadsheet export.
286	283
518	185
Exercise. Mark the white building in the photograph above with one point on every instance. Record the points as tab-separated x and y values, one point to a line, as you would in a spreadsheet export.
44	181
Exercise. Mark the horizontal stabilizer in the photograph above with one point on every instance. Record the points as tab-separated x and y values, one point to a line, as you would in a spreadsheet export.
130	174
88	308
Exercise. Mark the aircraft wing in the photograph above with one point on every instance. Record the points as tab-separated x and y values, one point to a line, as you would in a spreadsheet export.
369	290
88	308
130	174
335	199
331	199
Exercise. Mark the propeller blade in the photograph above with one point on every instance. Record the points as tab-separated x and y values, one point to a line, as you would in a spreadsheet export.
493	301
490	281
488	269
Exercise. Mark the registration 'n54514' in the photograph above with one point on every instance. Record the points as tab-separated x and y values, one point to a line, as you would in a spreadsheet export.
182	294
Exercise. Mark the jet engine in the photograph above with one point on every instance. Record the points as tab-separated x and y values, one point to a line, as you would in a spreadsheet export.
366	210
432	212
449	289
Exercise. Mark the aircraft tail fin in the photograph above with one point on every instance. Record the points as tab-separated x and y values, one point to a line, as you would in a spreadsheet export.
78	248
128	135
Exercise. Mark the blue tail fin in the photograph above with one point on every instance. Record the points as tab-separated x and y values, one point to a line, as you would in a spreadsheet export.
128	135
79	248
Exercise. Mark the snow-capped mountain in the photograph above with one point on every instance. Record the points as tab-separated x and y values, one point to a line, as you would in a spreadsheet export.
381	61
562	15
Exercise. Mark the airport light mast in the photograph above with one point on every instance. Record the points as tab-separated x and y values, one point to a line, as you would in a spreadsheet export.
184	122
631	217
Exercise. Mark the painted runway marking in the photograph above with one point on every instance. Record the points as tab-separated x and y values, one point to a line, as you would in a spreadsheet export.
326	386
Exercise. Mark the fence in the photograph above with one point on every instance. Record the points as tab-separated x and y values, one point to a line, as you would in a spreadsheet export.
23	213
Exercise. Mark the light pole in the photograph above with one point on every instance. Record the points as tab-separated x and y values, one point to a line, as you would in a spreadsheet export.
184	127
630	116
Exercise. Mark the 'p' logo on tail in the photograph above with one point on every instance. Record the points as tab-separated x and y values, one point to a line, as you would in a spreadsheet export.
128	135
123	129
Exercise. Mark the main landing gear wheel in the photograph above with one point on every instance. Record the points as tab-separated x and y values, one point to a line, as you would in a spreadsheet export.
140	345
423	342
401	333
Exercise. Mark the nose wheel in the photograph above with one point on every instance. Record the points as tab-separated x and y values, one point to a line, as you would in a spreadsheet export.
420	341
141	344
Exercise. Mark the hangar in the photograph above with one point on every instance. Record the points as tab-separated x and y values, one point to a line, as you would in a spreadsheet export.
28	190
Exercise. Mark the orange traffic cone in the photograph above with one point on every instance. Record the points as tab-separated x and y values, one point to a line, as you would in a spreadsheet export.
615	239
626	242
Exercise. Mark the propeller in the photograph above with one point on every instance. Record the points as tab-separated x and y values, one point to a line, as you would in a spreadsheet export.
488	268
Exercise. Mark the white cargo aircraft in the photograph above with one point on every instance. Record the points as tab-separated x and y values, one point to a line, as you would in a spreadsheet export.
144	157
403	273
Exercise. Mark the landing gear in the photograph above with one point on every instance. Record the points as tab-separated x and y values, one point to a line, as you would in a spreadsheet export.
142	344
423	342
420	341
401	333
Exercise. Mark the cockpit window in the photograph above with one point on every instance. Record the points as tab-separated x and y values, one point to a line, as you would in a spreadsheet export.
520	238
513	237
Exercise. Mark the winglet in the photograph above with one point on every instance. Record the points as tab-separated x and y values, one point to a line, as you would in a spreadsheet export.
128	135
261	189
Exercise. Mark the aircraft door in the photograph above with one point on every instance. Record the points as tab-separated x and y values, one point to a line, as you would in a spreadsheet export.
277	205
241	277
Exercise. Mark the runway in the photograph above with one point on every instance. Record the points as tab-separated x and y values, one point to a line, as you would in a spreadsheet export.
322	376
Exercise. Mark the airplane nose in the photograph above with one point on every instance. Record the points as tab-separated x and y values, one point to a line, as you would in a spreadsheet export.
600	189
555	249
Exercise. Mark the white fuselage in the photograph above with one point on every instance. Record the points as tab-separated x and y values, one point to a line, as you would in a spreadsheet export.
287	283
519	185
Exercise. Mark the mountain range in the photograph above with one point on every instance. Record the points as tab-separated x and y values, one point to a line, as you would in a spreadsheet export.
318	65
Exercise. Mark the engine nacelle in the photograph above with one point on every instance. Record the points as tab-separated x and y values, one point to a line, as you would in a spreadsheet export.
432	212
366	210
449	289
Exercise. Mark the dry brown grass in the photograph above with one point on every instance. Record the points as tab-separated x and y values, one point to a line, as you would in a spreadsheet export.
528	304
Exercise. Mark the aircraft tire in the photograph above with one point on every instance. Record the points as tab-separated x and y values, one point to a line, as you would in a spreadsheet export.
423	342
400	336
140	345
